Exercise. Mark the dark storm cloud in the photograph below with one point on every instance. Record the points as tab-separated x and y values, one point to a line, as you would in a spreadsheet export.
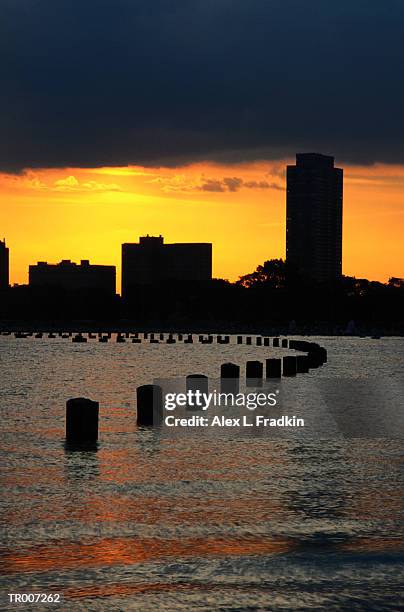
212	185
234	183
113	82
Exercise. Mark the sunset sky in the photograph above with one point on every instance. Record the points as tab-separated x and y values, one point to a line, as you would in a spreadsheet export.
126	117
87	214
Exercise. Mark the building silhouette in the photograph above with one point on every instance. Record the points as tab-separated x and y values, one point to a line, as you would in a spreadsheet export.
73	277
4	265
314	217
150	262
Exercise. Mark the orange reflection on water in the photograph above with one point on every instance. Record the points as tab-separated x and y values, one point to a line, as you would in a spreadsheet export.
125	551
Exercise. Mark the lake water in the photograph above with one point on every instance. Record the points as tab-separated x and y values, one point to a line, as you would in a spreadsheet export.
295	521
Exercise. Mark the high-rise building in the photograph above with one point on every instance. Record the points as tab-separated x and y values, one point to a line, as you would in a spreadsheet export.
314	217
73	277
4	265
151	261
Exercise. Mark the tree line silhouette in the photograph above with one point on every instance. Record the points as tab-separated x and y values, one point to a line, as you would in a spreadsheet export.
273	295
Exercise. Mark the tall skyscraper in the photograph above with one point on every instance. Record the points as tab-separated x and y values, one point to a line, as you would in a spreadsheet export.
151	262
4	265
314	217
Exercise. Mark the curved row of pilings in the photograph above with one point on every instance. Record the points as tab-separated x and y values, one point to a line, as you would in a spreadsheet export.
82	414
291	365
155	338
149	397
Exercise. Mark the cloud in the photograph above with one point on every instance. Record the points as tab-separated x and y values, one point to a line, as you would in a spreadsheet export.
233	184
33	182
212	185
117	82
263	185
70	183
181	182
95	186
178	182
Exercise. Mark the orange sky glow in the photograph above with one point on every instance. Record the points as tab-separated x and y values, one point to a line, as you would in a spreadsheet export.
74	213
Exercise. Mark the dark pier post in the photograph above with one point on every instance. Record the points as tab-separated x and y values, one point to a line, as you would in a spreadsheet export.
81	420
302	364
289	366
194	383
317	355
273	368
79	338
223	339
254	372
229	378
313	360
149	403
207	340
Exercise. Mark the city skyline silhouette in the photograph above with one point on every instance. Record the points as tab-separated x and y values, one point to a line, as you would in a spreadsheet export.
165	283
79	214
303	230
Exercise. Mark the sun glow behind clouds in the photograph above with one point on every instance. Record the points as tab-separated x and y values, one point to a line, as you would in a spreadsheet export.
75	213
